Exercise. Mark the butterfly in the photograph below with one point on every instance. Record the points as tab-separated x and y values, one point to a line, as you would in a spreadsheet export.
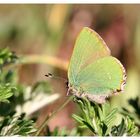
92	72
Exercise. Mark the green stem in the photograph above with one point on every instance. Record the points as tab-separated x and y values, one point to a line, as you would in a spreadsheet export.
51	115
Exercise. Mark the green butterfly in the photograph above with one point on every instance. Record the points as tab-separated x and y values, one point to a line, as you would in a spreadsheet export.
93	73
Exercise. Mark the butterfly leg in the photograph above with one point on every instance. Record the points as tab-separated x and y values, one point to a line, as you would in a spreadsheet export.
68	92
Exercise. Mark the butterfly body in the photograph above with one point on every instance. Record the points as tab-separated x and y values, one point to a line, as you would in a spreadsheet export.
93	73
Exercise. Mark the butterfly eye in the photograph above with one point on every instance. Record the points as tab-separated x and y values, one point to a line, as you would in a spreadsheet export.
118	90
67	84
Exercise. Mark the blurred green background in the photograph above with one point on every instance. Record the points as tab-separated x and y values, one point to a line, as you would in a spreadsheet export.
43	37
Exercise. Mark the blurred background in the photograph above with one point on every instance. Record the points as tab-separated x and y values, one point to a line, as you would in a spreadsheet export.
43	37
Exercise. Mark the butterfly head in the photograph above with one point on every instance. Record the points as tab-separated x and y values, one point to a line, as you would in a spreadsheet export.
70	89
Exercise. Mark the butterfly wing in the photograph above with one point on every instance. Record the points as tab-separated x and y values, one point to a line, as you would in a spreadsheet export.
92	70
102	77
89	47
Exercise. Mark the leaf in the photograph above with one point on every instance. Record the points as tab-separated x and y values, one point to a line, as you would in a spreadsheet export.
62	132
6	91
6	57
135	113
132	129
16	125
78	118
109	118
95	117
127	127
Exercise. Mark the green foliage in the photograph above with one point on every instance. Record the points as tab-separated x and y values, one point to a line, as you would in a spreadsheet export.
62	132
95	119
6	57
99	120
16	125
135	113
127	127
6	88
11	95
6	91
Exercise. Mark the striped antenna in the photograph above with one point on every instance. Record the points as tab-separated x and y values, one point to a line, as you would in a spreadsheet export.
49	75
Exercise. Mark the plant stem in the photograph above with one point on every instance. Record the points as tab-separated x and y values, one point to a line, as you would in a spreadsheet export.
46	59
48	117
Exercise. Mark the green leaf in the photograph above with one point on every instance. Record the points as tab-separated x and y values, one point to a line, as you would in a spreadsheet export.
78	118
6	91
135	112
95	117
6	56
16	125
127	127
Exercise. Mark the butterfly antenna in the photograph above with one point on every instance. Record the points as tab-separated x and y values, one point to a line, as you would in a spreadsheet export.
49	75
